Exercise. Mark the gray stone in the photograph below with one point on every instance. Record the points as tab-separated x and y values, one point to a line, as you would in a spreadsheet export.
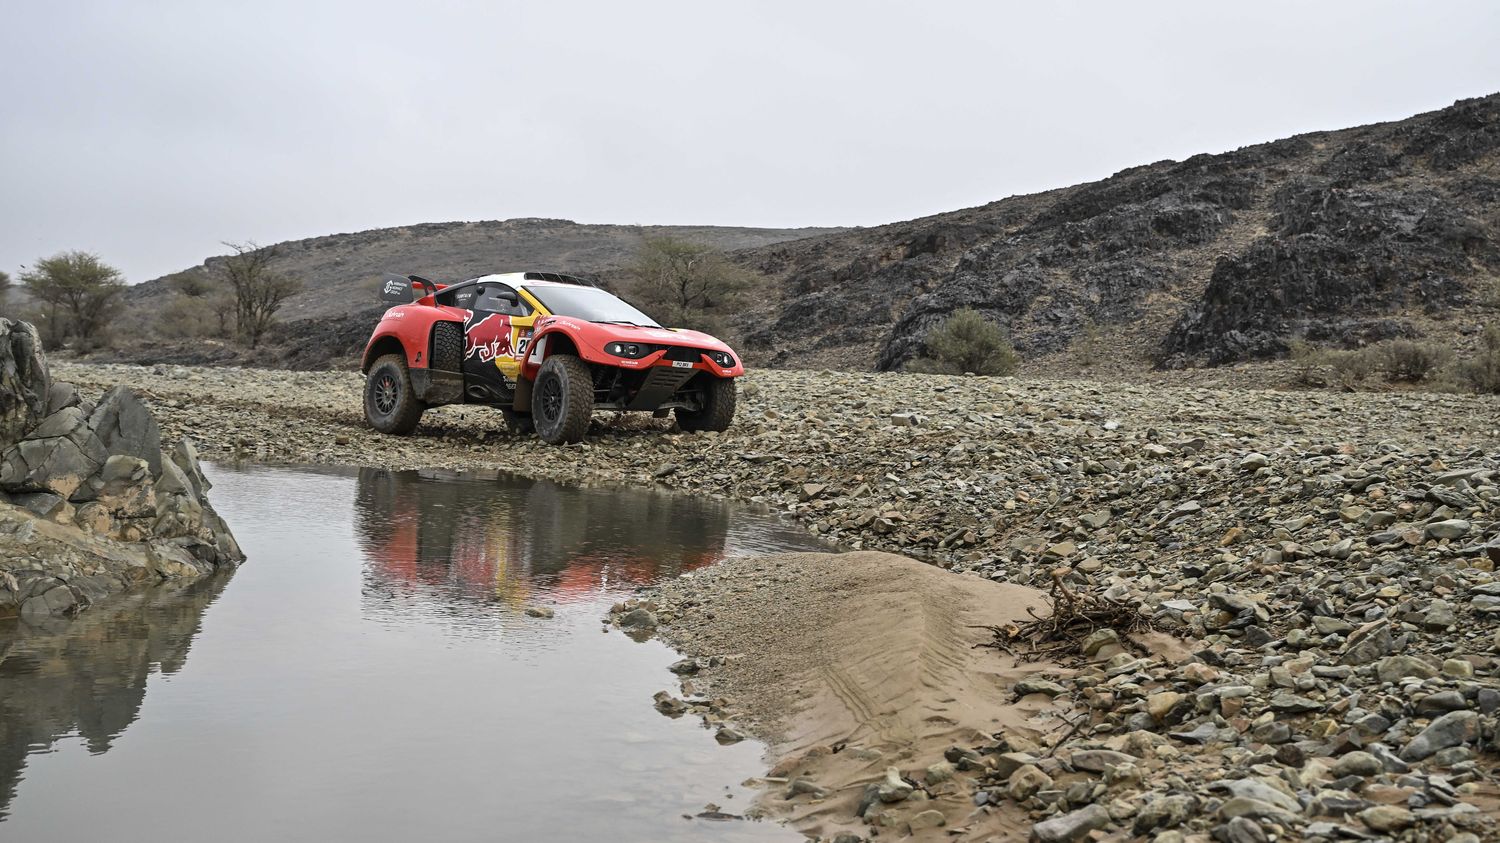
40	504
1240	830
1386	818
1439	616
930	818
1453	528
24	382
801	786
1440	703
1165	812
1099	760
1357	764
1452	729
1070	827
638	618
1244	806
62	395
1259	791
1038	686
1368	643
123	425
1396	668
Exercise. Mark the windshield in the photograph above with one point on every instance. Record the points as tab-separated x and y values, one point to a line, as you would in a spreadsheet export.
589	303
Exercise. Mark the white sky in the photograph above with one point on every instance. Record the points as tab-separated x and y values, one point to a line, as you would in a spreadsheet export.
150	131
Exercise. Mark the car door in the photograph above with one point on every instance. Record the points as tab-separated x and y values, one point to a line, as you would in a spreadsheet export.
496	330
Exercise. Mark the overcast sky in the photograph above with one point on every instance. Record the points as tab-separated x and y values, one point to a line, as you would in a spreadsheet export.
150	131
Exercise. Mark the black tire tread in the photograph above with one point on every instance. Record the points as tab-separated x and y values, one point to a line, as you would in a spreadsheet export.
720	397
447	353
408	409
578	399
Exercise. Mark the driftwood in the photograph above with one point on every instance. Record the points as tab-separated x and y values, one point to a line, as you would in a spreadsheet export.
1074	617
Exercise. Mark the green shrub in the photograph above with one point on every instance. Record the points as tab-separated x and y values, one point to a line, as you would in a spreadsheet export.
967	342
1088	346
1309	363
1412	362
1482	372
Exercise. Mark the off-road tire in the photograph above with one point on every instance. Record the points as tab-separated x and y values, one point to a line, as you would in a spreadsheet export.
519	424
447	353
562	400
719	396
391	405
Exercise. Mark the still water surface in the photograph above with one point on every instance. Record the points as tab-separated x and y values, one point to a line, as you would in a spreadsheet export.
370	675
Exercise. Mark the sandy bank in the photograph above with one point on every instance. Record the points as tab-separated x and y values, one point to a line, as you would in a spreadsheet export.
851	664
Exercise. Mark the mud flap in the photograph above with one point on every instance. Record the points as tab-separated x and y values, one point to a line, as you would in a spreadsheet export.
437	387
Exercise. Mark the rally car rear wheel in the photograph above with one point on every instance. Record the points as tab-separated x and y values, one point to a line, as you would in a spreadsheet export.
562	399
717	412
391	406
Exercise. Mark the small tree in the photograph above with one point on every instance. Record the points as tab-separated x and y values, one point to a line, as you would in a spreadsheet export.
4	287
686	284
259	291
967	342
78	291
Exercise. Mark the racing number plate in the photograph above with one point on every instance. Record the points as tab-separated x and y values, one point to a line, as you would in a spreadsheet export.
681	364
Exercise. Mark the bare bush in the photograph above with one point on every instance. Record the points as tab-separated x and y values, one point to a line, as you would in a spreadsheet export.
259	290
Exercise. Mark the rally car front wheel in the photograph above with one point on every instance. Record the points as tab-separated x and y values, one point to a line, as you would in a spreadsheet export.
391	406
562	399
717	412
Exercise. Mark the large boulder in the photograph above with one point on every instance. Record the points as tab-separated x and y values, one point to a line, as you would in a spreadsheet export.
23	380
97	473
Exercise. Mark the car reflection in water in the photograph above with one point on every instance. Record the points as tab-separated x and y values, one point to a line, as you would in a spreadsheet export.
489	537
87	676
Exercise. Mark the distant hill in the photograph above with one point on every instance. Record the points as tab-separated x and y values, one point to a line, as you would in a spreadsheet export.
339	270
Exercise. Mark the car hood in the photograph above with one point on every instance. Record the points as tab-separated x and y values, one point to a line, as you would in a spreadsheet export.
605	333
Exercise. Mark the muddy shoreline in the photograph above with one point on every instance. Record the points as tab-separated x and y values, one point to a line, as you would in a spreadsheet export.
1330	558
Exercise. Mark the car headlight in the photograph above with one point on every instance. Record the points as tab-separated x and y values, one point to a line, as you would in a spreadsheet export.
724	359
628	349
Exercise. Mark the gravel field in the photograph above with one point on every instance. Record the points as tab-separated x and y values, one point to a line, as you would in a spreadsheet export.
1328	559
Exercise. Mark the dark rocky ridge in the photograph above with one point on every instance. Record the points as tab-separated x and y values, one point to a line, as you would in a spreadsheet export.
1339	237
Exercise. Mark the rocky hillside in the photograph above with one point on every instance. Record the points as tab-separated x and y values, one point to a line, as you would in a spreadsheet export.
1388	230
1341	238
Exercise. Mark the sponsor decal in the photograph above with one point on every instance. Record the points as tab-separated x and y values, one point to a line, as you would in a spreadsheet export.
394	287
487	336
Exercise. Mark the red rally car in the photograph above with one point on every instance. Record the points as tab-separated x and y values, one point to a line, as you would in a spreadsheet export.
546	349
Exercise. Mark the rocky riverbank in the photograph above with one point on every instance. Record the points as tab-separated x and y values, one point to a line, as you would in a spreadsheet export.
90	502
1329	560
